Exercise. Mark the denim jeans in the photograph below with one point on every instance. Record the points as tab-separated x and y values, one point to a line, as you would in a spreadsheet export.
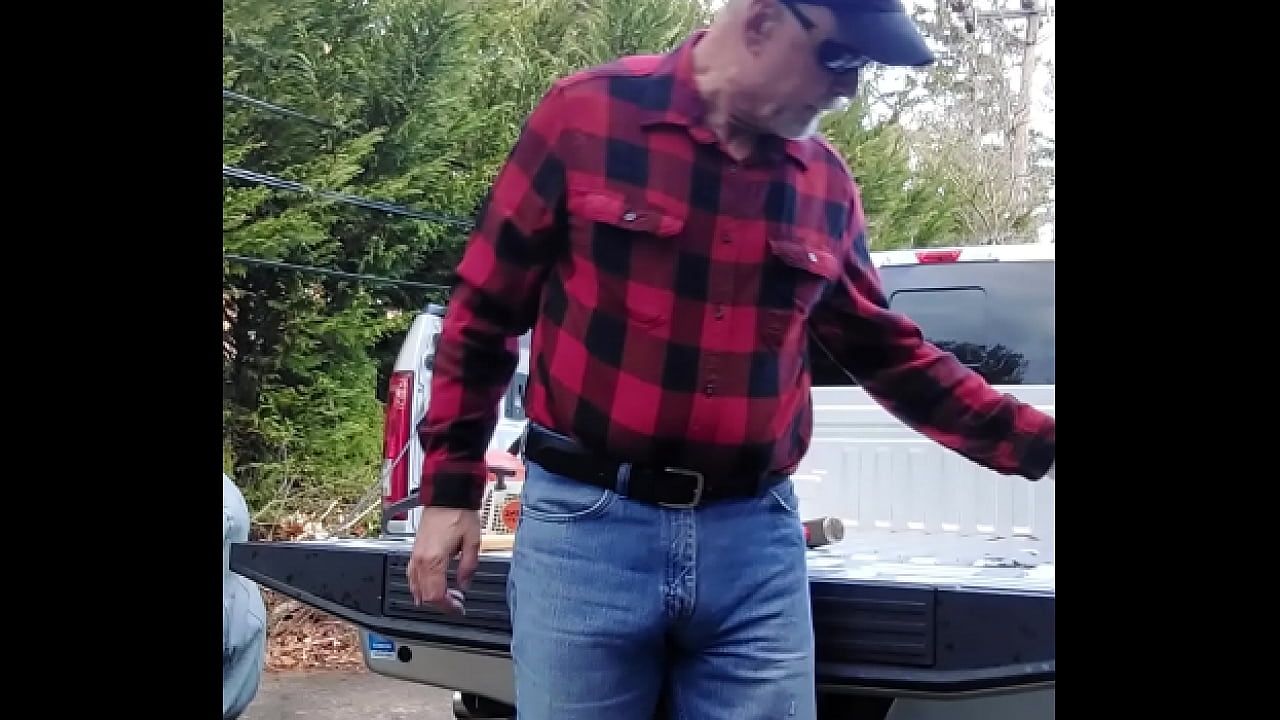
617	605
244	616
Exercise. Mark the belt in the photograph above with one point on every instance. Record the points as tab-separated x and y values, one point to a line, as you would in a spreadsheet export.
666	486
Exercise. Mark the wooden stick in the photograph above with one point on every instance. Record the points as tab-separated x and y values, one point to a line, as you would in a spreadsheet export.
496	542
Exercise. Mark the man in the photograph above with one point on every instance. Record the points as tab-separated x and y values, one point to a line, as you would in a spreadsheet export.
244	617
671	228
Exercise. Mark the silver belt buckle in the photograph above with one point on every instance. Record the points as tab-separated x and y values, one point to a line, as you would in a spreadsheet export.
697	489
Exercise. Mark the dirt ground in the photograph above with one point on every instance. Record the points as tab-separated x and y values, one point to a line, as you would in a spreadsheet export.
346	695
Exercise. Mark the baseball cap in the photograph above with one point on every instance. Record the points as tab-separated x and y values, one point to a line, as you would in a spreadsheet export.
881	29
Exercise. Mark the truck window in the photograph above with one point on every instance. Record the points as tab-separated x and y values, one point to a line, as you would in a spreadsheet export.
954	319
996	318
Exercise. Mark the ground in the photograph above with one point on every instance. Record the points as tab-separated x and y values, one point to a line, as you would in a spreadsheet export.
346	695
314	670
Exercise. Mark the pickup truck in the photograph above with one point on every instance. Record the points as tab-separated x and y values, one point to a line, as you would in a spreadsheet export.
933	598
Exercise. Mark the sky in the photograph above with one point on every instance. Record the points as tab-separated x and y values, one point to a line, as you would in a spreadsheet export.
1042	117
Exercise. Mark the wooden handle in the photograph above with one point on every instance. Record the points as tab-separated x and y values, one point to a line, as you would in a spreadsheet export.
496	542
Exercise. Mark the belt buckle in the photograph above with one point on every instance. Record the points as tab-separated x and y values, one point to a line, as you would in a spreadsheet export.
697	488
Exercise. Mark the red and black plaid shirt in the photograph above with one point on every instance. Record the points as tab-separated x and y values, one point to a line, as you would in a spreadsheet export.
669	288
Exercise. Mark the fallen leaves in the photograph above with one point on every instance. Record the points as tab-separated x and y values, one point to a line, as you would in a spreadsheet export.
300	637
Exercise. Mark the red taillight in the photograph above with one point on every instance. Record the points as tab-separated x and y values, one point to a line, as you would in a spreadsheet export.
938	256
395	440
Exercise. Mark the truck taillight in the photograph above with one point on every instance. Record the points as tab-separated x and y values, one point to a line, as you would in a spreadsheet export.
938	256
395	440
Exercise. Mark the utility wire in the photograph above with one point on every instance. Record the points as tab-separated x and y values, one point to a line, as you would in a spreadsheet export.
264	105
333	273
259	178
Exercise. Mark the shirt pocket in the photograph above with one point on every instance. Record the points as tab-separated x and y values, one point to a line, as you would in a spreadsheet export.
624	251
797	274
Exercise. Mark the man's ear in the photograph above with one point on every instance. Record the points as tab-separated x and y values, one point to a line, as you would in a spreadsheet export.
761	21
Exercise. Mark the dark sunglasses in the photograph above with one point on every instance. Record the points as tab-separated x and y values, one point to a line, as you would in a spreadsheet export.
836	57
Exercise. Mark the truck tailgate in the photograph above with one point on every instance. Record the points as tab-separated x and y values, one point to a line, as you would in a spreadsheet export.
890	613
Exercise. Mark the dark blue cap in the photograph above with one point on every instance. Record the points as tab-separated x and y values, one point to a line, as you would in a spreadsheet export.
880	29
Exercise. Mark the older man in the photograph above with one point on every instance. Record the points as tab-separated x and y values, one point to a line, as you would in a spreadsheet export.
671	228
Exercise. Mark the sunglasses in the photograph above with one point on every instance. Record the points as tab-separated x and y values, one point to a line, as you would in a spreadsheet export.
836	57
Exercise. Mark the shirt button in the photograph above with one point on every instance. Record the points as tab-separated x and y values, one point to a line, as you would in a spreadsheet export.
726	238
719	311
813	258
709	390
629	216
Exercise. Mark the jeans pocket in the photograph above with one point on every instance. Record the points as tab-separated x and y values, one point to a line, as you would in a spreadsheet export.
551	498
782	497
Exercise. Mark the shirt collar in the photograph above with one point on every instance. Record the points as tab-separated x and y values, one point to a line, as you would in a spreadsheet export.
672	99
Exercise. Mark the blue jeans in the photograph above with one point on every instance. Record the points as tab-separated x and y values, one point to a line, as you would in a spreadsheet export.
617	604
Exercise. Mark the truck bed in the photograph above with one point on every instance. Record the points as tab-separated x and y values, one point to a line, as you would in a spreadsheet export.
894	613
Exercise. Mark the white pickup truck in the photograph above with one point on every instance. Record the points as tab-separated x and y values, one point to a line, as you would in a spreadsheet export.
937	603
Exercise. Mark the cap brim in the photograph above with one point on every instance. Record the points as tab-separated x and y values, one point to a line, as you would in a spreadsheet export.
889	38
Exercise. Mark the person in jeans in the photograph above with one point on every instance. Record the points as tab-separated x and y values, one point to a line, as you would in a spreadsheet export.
244	615
671	227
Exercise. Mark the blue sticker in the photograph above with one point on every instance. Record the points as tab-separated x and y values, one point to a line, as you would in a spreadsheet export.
381	647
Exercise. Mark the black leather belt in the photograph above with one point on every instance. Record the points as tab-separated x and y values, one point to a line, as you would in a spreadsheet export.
665	486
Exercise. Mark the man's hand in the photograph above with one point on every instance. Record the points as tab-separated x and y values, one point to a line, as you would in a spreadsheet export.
444	533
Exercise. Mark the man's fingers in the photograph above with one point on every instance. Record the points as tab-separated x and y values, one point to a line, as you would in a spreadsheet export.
429	584
431	576
470	556
412	577
468	561
439	594
445	532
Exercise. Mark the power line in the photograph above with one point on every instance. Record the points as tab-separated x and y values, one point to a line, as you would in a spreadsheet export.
259	178
264	105
333	273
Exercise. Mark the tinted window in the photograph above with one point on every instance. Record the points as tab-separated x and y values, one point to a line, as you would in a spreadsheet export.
997	318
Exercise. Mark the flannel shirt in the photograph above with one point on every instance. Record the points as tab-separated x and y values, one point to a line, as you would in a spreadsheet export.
669	289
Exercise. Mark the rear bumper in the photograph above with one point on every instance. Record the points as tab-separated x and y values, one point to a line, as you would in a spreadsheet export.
453	667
